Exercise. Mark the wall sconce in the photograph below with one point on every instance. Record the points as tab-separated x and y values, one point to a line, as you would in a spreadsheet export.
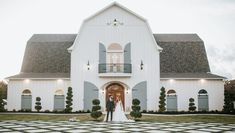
141	65
88	65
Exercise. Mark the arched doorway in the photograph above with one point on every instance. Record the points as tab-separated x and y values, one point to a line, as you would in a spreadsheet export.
26	99
171	100
203	103
116	90
59	100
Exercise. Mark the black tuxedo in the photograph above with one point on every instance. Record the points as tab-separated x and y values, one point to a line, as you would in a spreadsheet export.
109	107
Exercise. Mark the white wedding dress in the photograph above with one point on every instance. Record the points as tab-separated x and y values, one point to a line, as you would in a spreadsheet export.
119	114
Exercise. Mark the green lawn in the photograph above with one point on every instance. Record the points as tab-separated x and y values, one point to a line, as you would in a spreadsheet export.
86	117
44	117
194	118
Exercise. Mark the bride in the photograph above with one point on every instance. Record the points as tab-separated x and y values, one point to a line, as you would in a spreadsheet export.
119	114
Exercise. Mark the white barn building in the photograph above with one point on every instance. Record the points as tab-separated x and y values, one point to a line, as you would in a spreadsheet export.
115	53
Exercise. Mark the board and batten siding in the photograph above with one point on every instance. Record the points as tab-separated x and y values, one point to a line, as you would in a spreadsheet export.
39	88
143	47
186	89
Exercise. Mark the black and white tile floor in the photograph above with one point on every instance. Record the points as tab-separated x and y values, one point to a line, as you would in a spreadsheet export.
103	127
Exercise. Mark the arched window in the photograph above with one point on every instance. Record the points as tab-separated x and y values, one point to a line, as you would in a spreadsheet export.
171	92
115	46
59	92
26	92
202	92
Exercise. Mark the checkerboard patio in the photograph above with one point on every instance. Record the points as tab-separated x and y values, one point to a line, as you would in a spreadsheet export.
103	127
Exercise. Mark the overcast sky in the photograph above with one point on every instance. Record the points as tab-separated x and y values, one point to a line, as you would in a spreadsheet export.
212	20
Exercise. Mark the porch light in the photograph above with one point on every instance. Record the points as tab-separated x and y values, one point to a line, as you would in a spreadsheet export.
88	65
141	65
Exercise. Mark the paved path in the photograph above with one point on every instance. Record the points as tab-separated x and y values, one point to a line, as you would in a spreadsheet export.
103	127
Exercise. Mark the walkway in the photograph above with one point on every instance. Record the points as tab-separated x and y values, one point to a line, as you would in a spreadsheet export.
102	127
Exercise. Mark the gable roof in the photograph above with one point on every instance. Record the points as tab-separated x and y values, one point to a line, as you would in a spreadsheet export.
123	8
118	5
46	56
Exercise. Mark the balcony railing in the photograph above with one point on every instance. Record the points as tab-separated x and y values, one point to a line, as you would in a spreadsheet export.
114	68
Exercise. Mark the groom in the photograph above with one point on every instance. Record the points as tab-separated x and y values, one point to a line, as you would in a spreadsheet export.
110	107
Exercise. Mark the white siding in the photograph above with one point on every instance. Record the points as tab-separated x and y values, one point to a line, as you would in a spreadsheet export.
39	88
186	89
143	47
134	31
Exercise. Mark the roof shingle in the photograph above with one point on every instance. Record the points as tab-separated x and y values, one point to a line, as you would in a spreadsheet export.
46	55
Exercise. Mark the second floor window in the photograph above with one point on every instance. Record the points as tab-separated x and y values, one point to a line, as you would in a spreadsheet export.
115	58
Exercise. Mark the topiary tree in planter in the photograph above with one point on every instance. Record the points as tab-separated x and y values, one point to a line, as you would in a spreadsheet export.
38	106
135	113
192	106
95	112
69	99
162	100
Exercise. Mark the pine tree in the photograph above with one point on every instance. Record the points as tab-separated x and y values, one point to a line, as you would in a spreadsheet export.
136	109
1	103
228	104
38	106
3	89
69	100
162	100
192	106
96	113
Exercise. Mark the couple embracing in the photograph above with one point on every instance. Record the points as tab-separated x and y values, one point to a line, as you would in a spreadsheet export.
115	111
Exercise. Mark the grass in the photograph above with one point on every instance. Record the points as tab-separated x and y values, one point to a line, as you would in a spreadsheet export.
44	117
148	118
192	118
